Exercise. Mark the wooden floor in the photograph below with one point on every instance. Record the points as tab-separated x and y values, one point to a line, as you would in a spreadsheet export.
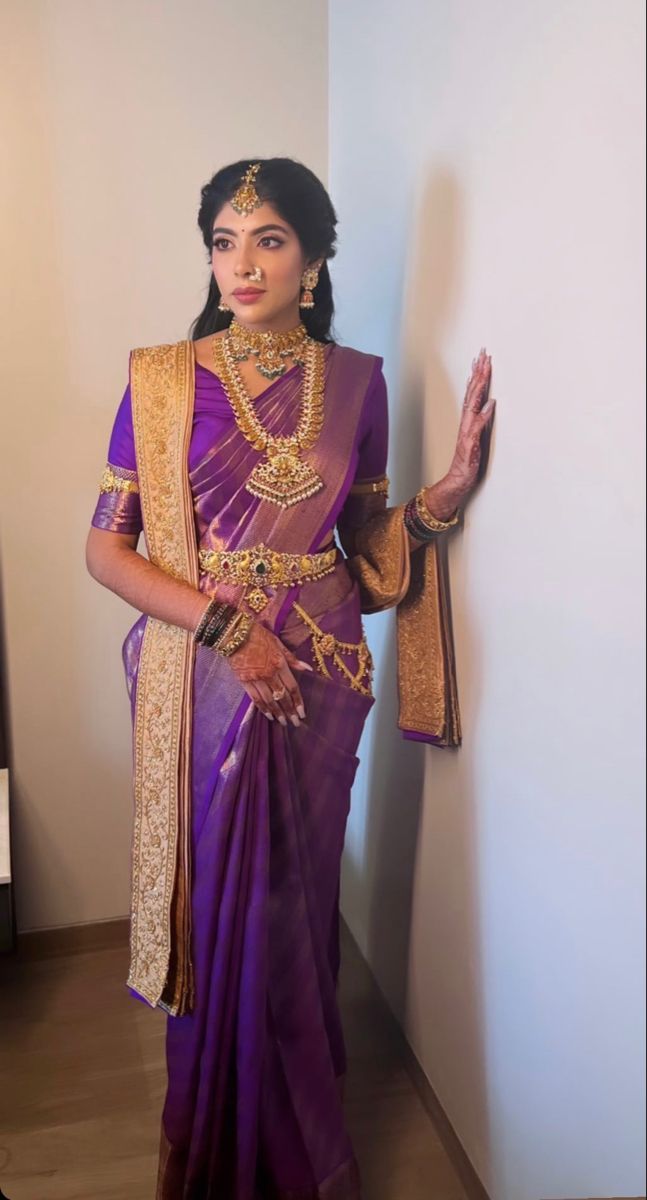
83	1082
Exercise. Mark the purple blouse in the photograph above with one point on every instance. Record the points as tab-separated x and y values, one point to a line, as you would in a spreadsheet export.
118	508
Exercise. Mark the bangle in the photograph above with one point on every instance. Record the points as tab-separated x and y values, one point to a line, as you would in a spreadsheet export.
204	620
421	527
414	525
421	523
235	634
428	517
217	626
213	622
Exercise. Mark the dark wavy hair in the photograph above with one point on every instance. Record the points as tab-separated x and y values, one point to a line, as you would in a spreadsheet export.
302	200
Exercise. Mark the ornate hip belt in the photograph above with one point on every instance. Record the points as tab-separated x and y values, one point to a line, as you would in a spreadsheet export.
259	566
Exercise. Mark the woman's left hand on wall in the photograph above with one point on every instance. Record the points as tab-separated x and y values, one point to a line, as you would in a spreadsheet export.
470	456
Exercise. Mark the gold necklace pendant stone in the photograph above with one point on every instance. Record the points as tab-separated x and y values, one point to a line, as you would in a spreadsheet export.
284	479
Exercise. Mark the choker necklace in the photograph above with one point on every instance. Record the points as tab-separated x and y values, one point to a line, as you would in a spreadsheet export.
269	348
283	478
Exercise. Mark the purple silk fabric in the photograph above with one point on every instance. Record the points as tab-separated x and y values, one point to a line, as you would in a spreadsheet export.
213	422
253	1109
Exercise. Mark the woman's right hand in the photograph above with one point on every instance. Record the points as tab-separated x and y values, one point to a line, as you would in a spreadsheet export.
264	666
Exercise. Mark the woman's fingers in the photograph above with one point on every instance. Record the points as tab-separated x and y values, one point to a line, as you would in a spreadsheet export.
262	667
266	689
478	384
292	700
252	690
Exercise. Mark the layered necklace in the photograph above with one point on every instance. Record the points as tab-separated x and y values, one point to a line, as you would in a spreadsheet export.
283	477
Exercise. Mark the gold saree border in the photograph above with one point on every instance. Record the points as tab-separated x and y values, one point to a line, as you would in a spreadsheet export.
162	390
418	586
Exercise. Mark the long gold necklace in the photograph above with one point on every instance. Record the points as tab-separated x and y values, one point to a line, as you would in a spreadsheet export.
283	478
269	348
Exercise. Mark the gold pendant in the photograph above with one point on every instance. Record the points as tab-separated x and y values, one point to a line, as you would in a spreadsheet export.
257	599
284	478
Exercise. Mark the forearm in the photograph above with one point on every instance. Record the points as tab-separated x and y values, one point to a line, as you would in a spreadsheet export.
148	588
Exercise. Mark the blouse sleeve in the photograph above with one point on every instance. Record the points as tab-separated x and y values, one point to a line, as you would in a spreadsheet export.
118	507
369	491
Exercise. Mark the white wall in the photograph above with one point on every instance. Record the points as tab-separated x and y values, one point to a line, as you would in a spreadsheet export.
487	164
113	117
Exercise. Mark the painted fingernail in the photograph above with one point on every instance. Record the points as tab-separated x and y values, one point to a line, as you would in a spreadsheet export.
282	720
269	716
294	719
301	711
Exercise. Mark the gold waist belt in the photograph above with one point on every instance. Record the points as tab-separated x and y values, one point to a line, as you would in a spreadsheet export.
259	566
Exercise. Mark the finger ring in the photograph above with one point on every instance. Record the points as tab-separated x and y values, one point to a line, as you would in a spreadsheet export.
278	695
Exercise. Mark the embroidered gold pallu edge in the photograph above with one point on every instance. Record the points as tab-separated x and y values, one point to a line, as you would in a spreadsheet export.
162	390
418	585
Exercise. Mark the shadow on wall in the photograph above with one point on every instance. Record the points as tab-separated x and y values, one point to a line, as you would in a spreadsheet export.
426	413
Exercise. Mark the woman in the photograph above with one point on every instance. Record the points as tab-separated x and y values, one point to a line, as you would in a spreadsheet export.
238	452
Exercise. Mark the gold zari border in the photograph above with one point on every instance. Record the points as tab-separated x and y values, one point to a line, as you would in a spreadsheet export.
162	388
418	585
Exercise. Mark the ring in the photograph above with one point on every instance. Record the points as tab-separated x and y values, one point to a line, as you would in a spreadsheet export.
278	695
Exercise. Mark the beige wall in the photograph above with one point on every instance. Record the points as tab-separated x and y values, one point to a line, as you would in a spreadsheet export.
113	115
491	191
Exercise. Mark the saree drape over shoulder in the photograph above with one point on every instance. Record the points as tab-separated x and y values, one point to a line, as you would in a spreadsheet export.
239	822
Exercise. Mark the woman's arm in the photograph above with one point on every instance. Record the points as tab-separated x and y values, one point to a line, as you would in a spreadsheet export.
113	560
262	663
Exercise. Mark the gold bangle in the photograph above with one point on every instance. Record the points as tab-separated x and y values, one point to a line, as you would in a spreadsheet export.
235	635
428	517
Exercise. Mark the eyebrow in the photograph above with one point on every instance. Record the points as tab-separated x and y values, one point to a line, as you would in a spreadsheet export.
259	229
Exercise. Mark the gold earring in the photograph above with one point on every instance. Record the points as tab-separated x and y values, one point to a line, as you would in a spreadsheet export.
223	306
309	280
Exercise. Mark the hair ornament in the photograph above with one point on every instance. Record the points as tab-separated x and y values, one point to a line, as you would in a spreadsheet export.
245	199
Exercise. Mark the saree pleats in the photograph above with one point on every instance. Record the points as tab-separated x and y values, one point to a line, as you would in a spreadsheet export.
253	1106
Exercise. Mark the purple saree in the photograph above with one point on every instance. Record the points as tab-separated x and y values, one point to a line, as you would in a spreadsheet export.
253	1109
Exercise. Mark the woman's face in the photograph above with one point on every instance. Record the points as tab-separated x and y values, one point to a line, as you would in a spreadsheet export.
261	239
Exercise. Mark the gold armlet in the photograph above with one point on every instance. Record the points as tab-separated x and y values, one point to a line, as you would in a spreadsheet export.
118	479
381	484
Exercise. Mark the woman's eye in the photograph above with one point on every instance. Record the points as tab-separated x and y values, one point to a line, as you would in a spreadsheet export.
217	242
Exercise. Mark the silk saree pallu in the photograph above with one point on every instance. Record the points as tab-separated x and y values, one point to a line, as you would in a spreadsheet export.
240	822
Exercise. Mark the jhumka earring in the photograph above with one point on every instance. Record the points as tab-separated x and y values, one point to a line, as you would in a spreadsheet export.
223	306
309	280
